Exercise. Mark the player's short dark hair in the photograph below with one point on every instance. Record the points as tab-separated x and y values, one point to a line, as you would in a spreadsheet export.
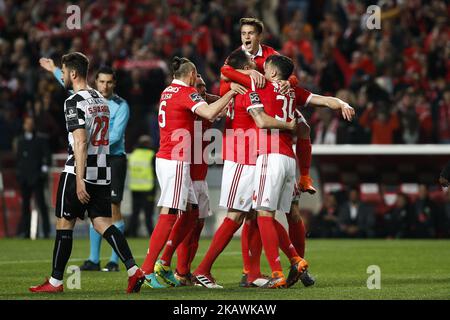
238	59
106	70
284	65
181	66
258	24
76	61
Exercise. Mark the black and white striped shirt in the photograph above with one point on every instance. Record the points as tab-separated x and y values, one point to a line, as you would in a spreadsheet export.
87	109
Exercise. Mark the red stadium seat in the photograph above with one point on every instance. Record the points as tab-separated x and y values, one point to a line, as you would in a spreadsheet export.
370	192
330	187
437	193
410	189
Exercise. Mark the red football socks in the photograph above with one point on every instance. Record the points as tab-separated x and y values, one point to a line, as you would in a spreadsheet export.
245	246
269	238
188	248
297	235
303	153
158	240
220	240
180	230
255	249
285	243
194	241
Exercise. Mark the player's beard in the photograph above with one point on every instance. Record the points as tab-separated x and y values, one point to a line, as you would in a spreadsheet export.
68	84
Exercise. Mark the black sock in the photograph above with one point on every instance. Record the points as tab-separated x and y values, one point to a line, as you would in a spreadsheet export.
61	252
120	245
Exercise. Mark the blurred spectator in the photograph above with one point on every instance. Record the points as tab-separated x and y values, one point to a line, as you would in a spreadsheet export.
444	117
356	219
381	122
397	221
325	224
327	129
425	215
328	40
33	162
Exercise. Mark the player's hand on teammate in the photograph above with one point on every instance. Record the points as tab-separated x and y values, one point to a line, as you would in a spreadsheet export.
284	86
258	78
347	111
293	125
47	64
238	88
82	194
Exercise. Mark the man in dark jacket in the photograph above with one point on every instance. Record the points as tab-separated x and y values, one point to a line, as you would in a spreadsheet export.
33	160
356	218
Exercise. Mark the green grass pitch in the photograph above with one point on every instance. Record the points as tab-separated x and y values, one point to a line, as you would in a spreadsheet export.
410	269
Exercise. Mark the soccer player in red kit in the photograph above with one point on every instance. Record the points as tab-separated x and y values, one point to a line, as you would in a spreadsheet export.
179	105
251	30
303	98
239	154
188	248
275	167
251	35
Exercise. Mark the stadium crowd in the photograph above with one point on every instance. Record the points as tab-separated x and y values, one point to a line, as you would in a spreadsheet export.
347	215
395	77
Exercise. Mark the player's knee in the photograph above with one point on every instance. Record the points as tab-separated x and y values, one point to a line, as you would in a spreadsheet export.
64	224
101	226
294	215
236	216
251	215
263	213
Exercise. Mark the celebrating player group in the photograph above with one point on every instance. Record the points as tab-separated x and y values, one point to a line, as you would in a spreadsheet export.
260	99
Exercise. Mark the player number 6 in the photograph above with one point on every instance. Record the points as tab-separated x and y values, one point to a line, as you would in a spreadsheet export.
162	114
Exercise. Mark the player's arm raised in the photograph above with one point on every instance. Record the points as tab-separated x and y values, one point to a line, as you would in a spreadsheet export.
211	111
333	103
80	145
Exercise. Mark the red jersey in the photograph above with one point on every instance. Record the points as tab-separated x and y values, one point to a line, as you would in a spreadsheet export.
280	107
302	97
200	170
261	56
176	120
240	134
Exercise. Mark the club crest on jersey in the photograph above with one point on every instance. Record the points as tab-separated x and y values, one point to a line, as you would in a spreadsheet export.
196	97
254	98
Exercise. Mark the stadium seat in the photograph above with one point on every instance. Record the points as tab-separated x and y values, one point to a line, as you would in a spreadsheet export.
13	202
330	187
370	192
437	194
410	189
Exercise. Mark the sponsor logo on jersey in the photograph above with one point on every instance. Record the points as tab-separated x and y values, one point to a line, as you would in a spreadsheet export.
172	89
196	97
71	113
254	98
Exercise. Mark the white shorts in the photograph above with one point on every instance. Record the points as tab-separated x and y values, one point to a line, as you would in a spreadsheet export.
202	195
237	186
274	182
175	183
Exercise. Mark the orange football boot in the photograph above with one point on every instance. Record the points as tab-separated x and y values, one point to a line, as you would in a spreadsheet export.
306	185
